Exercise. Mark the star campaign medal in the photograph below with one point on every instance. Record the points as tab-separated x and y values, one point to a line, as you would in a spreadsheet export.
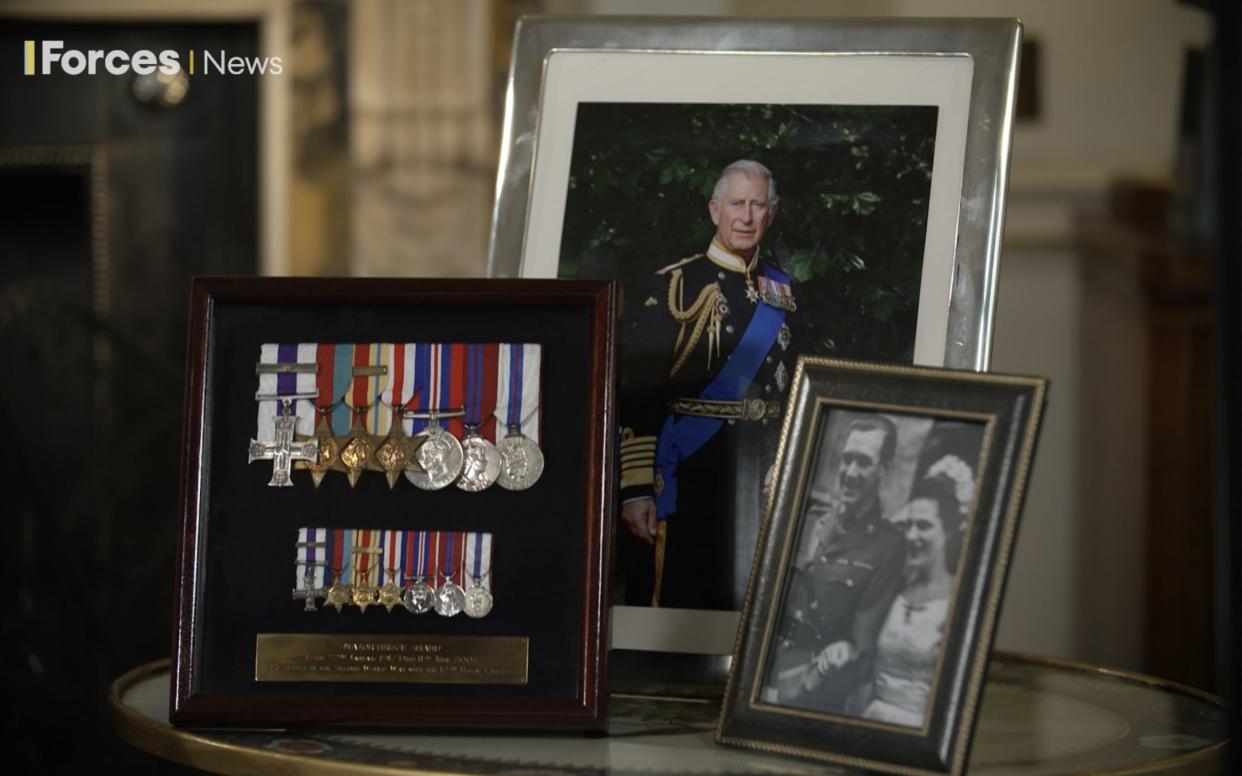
328	452
332	383
396	452
366	544
390	571
356	452
369	376
338	593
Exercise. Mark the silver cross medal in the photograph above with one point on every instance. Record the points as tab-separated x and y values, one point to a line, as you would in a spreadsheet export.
284	451
308	592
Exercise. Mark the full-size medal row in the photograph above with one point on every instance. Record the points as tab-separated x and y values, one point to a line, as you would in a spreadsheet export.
435	413
448	572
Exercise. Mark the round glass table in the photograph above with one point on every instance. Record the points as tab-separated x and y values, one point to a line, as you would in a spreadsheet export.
1039	716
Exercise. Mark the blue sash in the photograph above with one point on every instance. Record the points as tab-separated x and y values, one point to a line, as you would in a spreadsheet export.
682	435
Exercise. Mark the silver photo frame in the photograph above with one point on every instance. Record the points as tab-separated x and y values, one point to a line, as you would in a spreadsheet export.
879	62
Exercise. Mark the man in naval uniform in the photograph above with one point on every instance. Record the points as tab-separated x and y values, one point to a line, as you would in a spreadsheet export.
846	576
707	362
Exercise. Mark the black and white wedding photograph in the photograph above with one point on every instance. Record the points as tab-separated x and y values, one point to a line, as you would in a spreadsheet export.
874	573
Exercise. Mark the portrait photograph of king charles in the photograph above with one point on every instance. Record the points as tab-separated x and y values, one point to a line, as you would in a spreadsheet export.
742	236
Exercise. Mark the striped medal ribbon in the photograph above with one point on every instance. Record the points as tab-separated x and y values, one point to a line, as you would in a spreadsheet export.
337	553
367	379
450	597
367	556
419	597
396	452
390	569
518	403
440	454
310	554
286	374
480	458
478	601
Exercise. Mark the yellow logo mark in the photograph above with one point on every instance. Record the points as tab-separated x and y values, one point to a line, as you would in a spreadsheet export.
30	57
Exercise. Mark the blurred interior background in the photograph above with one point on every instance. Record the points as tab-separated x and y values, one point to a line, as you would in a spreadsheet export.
375	153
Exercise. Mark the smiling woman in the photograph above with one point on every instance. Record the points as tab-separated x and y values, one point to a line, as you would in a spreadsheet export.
909	641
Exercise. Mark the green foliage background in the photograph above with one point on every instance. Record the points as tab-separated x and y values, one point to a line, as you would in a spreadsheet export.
853	183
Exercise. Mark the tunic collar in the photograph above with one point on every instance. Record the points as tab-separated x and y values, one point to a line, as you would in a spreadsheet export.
729	260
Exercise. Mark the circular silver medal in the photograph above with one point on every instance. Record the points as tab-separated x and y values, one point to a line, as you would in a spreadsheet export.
440	455
521	462
450	599
419	598
481	463
478	602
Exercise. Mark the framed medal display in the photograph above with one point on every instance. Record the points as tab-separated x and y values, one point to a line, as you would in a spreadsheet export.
396	503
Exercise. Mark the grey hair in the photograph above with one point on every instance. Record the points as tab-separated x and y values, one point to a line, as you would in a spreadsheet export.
749	167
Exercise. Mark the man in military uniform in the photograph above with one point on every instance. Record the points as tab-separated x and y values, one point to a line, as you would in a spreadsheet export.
707	363
846	576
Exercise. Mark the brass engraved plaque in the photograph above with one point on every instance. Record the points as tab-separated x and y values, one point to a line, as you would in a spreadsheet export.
298	657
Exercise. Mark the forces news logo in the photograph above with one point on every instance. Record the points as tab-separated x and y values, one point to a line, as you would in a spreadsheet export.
50	56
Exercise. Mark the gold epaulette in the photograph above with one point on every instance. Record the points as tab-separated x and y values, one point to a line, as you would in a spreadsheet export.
677	264
637	459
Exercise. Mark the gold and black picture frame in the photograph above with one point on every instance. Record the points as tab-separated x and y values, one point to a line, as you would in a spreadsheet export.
877	582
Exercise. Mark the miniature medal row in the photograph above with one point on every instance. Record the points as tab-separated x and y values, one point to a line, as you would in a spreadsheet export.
431	412
448	572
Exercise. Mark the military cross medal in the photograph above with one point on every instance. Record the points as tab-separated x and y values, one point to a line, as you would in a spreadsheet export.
307	593
283	451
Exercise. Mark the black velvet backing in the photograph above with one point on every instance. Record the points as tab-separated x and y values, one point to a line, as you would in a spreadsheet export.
250	529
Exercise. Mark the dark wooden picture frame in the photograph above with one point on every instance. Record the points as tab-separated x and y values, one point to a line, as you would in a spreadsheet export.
229	591
889	530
